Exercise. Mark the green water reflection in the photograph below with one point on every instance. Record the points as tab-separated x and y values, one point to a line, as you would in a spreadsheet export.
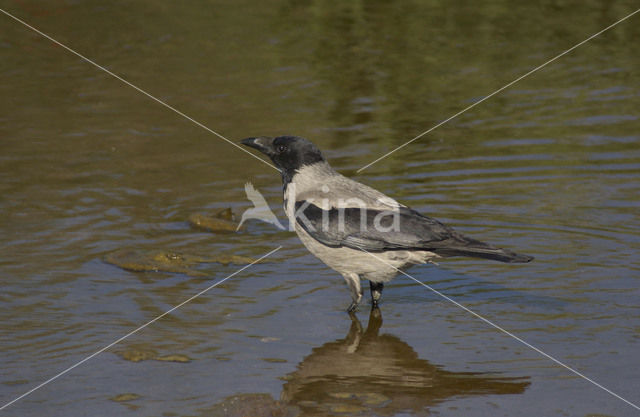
89	167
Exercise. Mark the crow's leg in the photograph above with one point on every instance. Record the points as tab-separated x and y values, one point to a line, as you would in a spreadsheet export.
353	281
376	292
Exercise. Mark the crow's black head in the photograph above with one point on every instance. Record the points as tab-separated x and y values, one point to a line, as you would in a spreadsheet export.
289	153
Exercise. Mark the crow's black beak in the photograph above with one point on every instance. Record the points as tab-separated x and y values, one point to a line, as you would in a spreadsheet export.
263	144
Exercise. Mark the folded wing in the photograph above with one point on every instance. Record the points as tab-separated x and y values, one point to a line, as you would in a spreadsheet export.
402	228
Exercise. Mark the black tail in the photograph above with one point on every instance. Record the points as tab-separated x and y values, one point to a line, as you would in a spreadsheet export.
487	252
443	240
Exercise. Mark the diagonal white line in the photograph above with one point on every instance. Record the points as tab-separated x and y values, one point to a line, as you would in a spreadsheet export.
136	88
508	333
53	378
499	90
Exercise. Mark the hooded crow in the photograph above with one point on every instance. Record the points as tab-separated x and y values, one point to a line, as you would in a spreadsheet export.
344	222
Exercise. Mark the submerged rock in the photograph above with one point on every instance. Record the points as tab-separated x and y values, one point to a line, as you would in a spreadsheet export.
234	259
161	261
155	261
219	221
254	405
146	354
121	398
137	355
176	357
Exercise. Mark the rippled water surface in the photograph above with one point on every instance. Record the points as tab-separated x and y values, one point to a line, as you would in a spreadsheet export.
89	166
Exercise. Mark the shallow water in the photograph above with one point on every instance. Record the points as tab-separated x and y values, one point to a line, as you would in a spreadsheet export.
549	167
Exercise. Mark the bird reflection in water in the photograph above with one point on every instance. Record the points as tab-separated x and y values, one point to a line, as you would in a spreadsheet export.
370	373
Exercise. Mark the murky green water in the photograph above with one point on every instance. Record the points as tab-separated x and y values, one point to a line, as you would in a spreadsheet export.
89	166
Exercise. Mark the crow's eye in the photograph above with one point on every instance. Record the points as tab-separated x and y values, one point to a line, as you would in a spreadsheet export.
281	148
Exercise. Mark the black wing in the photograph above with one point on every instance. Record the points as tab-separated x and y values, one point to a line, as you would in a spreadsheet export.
399	229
